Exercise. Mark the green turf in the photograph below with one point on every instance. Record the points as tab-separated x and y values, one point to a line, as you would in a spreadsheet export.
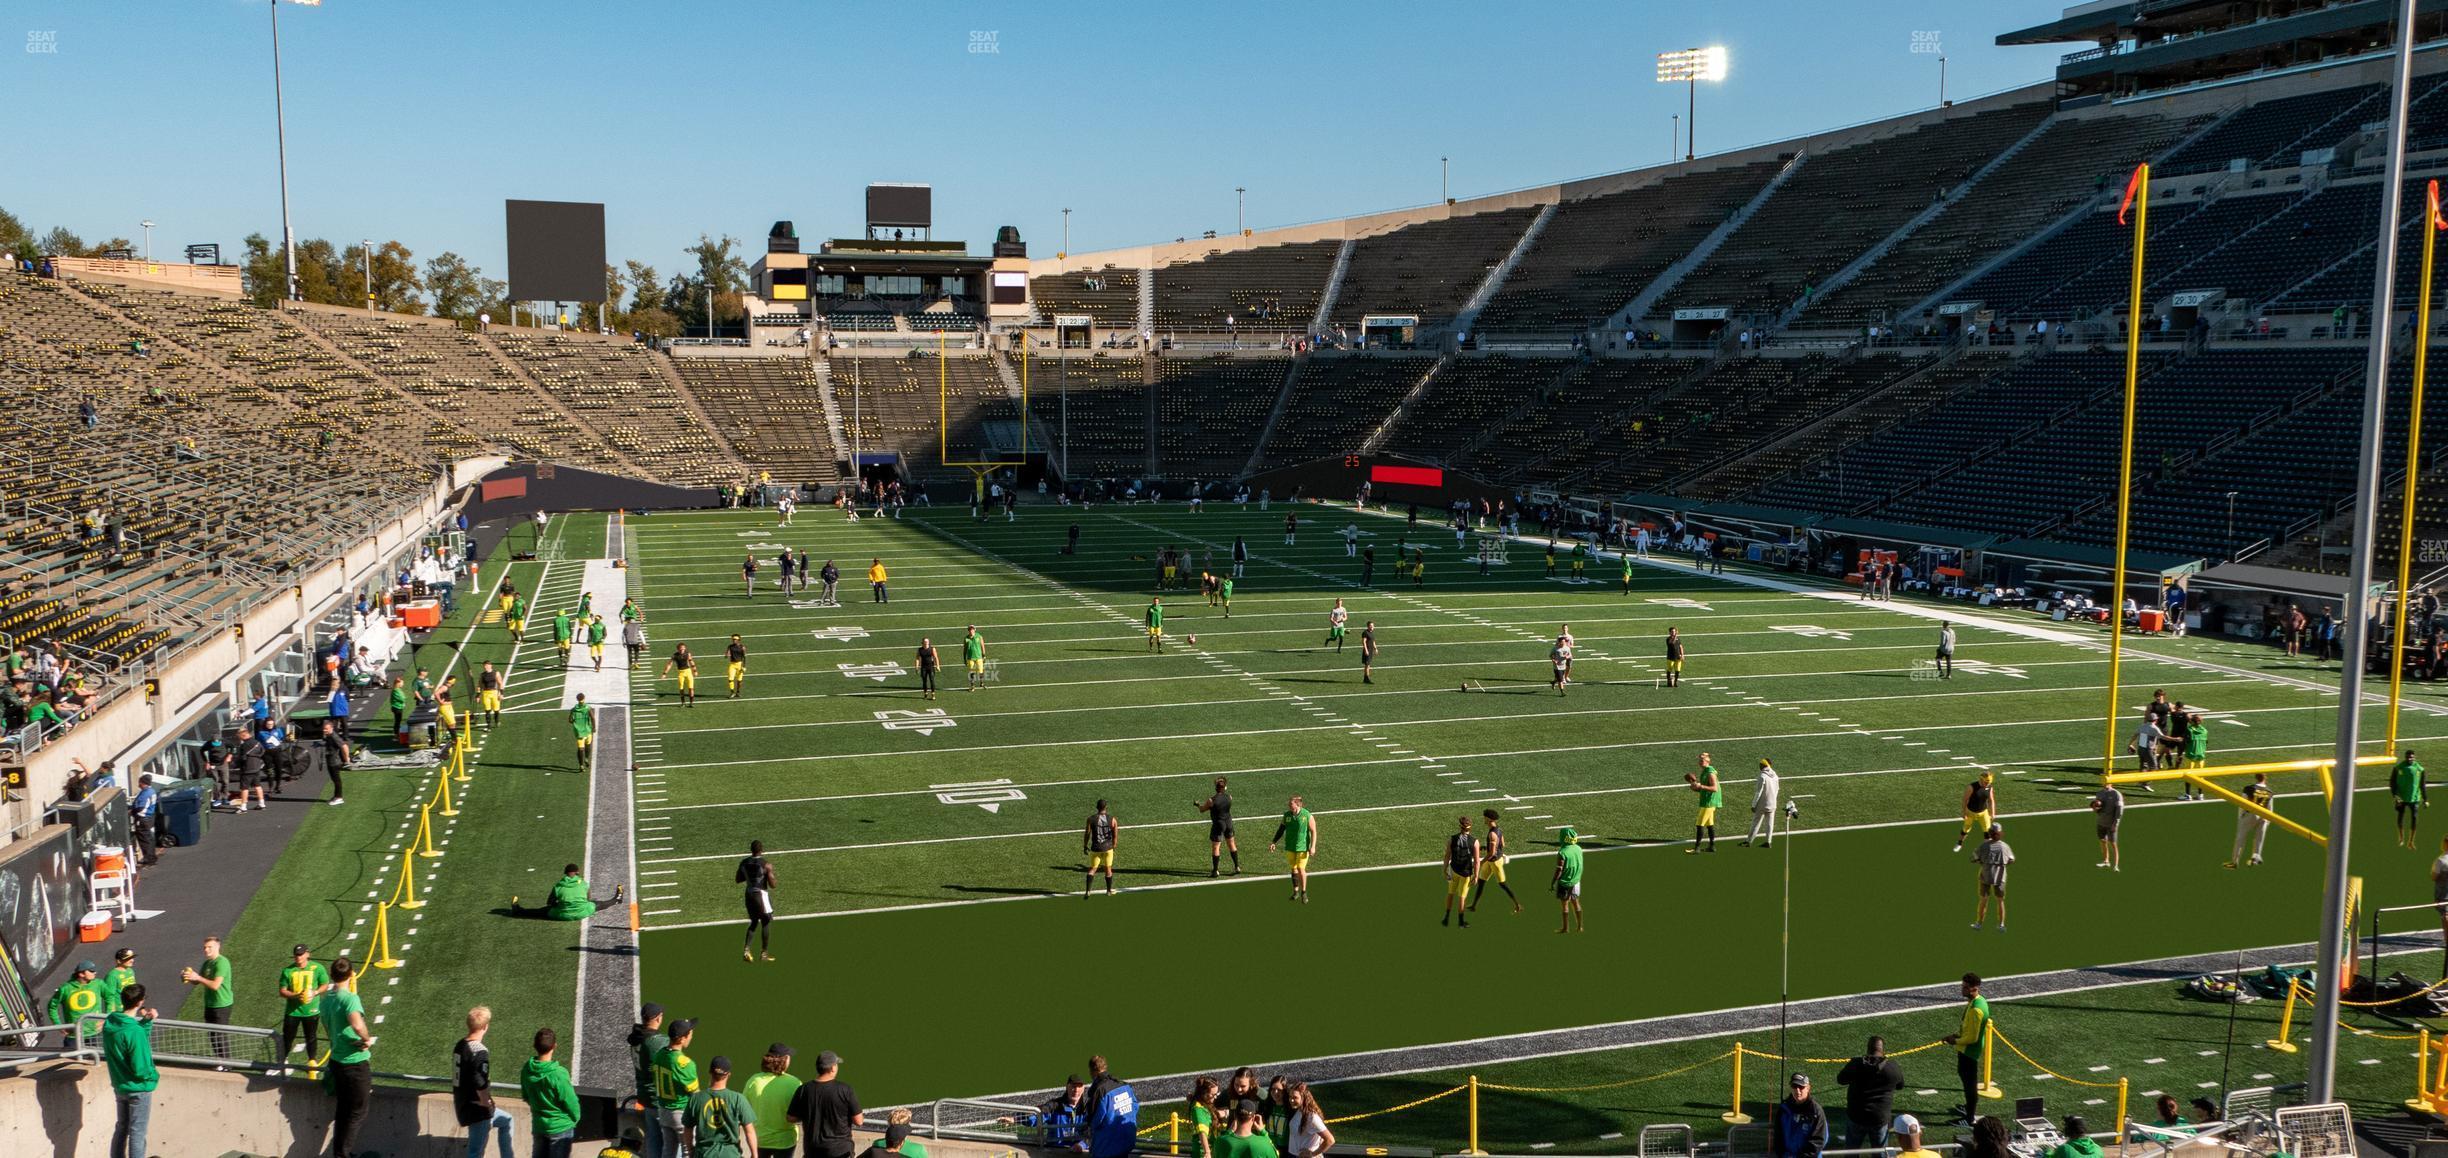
854	815
520	818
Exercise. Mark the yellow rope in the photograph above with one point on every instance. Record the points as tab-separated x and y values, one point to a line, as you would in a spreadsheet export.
1608	1085
1829	1061
2018	1052
2431	988
1396	1109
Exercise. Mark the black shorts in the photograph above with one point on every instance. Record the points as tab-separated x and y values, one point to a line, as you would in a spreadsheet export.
759	905
1219	830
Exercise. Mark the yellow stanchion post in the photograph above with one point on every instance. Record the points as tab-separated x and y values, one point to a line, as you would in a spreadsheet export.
2440	1083
380	948
1173	1133
1989	1087
459	753
424	833
2286	1023
407	886
2422	1071
1474	1116
2328	785
443	794
1735	1115
2124	1087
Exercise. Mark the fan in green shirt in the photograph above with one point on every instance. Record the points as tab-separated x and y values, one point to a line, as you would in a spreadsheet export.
122	975
675	1073
552	1105
2406	787
347	1047
79	999
769	1093
214	975
300	982
717	1118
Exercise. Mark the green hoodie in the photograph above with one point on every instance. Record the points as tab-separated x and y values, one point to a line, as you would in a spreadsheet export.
551	1103
2076	1148
127	1050
569	900
80	1001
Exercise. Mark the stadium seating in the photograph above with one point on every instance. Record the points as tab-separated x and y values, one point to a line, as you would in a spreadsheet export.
1110	296
1337	402
2276	132
1462	401
1897	393
899	403
1103	404
1597	253
1585	416
617	388
2073	160
771	410
1427	270
1274	287
1210	411
1840	203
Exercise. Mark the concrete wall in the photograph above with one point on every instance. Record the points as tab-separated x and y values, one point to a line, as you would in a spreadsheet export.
212	279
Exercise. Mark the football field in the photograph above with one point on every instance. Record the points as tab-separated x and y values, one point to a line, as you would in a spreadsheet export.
929	854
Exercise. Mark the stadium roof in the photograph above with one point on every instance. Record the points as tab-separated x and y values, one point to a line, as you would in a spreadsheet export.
2085	556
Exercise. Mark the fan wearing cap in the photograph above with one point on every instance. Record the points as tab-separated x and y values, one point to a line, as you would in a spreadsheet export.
827	1110
1800	1129
1567	881
675	1080
122	974
79	999
718	1120
646	1041
1906	1133
769	1093
302	982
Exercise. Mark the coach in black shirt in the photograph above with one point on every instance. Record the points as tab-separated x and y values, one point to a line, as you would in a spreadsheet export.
1870	1083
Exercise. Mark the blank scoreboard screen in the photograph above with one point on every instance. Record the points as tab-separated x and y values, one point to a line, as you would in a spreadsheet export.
1415	476
556	250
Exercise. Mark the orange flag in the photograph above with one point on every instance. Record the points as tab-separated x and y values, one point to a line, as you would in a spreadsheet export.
2133	185
2437	221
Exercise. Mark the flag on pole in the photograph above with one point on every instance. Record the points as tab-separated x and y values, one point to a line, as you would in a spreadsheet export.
2133	185
2437	221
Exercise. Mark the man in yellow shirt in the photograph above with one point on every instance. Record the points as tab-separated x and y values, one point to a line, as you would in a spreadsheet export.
875	580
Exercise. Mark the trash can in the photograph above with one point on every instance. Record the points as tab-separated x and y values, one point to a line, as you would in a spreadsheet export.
182	813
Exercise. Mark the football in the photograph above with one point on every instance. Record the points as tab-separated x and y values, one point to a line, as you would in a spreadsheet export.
1192	640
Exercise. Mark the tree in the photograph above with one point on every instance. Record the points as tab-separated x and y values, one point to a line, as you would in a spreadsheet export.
260	271
459	289
17	239
60	242
711	263
646	290
394	275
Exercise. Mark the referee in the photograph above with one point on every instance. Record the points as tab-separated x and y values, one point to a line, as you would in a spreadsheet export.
758	875
1220	830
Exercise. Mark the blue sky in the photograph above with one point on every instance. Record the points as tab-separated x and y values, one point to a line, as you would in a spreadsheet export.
414	120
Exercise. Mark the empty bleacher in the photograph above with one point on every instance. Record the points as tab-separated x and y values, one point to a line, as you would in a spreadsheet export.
1840	203
1585	417
1597	253
1274	287
1427	270
927	408
1463	399
1209	412
1883	404
1337	401
1099	406
1109	296
772	411
2276	132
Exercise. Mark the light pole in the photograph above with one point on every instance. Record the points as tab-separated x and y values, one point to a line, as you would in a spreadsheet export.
1942	82
148	228
280	137
1688	67
1065	255
1674	136
1445	179
368	243
2231	496
1240	198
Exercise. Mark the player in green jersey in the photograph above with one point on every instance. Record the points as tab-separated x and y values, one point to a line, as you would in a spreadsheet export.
561	635
1296	832
582	724
1712	796
1155	623
1568	881
973	656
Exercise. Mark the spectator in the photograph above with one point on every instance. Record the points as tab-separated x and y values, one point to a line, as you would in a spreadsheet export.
552	1106
143	812
1988	1140
2169	1118
472	1087
1113	1112
1968	1040
1907	1135
717	1123
127	1053
352	1059
1246	1140
675	1081
827	1110
646	1040
2109	804
769	1093
1058	1119
80	1000
1202	1116
1311	1136
2078	1143
1800	1129
302	983
1870	1083
220	992
899	1118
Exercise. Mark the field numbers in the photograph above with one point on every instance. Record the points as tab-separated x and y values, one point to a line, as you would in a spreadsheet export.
1811	631
990	795
922	722
879	672
1685	604
1977	667
840	634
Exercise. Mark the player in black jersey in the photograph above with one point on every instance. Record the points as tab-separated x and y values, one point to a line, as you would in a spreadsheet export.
489	694
736	672
758	876
1220	830
1097	841
684	664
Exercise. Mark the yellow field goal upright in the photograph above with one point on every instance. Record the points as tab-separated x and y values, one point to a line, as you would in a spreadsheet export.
2207	779
943	416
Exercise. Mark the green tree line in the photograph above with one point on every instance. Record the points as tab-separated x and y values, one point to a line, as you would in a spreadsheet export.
450	286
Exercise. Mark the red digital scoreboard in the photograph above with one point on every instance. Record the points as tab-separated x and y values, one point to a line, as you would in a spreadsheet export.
1413	476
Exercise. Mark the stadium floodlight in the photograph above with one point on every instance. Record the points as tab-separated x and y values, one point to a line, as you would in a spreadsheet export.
1688	67
280	137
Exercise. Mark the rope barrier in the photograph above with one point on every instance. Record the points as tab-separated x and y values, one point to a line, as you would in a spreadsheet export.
2027	1059
1617	1085
1396	1109
1832	1061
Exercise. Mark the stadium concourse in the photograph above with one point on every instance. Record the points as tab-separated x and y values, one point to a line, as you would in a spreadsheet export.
1672	576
